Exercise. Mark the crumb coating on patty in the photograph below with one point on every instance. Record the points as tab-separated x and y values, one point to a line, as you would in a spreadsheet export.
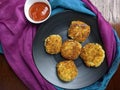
67	70
79	31
71	49
92	54
53	44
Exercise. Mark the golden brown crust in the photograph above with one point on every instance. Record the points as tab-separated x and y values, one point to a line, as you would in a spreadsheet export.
53	44
92	54
67	70
79	31
71	49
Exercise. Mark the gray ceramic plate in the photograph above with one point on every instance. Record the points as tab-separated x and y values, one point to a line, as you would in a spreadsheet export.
46	63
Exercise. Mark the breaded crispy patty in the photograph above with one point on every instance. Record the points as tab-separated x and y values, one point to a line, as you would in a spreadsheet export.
92	54
79	31
53	44
67	70
71	49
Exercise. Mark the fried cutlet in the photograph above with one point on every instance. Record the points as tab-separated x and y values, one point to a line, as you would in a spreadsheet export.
92	54
71	49
53	44
67	70
79	31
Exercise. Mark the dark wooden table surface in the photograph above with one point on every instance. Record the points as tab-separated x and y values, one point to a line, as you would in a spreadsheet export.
111	12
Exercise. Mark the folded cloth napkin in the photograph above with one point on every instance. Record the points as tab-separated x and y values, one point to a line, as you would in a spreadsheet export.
17	34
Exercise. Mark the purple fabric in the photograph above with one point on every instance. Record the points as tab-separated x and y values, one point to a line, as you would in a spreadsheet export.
106	33
17	34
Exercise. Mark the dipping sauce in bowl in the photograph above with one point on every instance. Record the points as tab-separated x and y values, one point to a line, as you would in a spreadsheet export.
39	11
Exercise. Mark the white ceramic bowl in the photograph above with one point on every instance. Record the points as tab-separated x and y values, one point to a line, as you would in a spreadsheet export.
28	4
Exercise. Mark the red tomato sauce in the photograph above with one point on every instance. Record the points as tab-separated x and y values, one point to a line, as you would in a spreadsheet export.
39	11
